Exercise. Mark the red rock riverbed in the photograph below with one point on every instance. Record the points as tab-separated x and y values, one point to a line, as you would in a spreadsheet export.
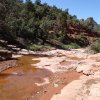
24	82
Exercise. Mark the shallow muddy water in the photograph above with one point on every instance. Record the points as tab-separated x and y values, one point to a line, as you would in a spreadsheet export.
17	83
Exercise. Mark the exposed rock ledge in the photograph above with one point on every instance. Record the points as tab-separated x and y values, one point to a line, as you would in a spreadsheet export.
7	64
6	60
85	88
50	53
5	54
63	60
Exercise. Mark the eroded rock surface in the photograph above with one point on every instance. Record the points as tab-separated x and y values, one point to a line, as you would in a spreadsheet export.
85	88
75	59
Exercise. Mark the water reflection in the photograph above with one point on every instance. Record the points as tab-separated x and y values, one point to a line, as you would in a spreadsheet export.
16	83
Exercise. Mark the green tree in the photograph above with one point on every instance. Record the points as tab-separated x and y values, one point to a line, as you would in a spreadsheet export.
38	2
29	6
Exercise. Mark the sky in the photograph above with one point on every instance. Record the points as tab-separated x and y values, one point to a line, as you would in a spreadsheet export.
80	8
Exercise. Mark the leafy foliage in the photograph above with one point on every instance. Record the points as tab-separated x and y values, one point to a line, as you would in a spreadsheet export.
96	46
40	24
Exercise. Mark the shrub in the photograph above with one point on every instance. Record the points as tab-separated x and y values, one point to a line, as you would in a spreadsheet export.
96	46
35	47
82	40
71	46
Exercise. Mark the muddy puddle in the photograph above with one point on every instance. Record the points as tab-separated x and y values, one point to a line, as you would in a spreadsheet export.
18	83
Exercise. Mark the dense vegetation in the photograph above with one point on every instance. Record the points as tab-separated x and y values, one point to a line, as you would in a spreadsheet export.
34	25
96	46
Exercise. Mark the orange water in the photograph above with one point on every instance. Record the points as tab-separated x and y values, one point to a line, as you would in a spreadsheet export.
18	83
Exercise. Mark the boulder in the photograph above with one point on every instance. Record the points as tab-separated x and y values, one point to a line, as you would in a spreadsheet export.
5	54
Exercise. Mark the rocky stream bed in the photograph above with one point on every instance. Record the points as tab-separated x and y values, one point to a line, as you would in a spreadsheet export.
60	75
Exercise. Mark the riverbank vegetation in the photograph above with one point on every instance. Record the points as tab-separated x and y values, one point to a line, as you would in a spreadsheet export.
35	26
96	46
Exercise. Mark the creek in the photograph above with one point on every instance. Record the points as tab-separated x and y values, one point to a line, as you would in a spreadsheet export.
17	83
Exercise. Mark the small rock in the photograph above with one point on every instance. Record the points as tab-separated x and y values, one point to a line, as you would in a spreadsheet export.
55	85
38	92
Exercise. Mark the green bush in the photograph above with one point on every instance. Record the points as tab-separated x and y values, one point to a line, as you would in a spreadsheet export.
96	46
82	40
71	46
35	47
